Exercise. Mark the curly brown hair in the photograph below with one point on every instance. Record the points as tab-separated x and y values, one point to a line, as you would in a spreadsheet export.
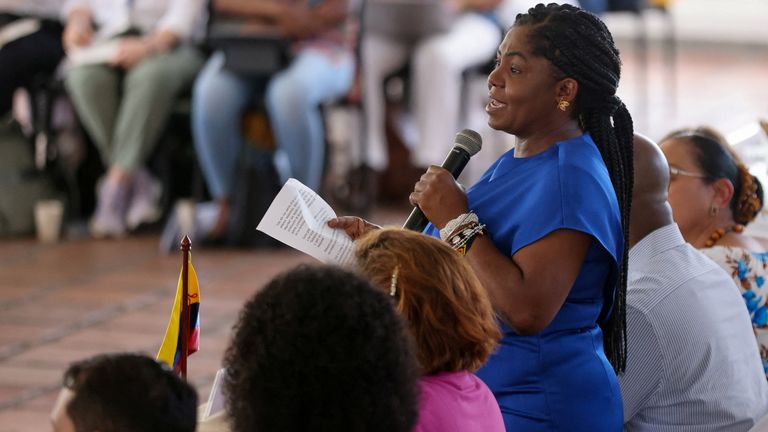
447	309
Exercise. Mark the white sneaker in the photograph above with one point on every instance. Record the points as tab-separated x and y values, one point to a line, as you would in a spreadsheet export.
203	218
145	203
109	218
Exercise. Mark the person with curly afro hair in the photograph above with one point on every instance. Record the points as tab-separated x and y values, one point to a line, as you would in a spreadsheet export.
320	349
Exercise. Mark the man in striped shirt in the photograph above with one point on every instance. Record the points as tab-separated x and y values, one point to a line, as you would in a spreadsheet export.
693	363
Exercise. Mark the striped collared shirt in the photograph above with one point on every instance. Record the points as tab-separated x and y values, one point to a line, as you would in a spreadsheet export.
693	363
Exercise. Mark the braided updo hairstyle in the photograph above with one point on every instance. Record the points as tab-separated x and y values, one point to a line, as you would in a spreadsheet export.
579	46
716	159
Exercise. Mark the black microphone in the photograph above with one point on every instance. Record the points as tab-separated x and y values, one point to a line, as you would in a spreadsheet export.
466	144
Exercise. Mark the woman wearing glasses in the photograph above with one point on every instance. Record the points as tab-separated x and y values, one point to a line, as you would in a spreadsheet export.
713	197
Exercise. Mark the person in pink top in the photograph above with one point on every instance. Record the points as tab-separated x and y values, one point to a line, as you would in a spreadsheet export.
451	320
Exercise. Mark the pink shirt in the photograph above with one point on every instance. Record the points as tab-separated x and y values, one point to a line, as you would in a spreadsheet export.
457	402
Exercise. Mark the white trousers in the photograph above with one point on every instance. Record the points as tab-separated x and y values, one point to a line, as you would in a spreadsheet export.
436	81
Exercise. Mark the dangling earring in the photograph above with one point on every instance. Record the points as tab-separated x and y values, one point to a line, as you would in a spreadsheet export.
713	211
563	104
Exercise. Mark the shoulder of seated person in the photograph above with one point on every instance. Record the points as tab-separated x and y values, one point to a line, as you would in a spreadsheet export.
741	241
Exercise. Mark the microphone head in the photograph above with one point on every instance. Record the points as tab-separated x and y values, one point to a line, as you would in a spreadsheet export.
469	140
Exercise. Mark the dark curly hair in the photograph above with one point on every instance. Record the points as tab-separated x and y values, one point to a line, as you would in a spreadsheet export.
321	349
717	159
580	46
129	393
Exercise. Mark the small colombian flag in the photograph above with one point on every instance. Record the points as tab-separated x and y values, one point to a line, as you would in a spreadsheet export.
170	350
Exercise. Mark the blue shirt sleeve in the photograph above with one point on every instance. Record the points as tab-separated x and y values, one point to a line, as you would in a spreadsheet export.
577	194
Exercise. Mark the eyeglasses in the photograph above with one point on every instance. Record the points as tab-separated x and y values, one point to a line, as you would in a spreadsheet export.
675	171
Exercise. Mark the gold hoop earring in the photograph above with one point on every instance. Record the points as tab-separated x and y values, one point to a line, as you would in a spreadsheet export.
563	104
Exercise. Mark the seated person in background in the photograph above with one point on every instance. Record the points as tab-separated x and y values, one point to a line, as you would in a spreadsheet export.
124	393
125	102
693	363
320	349
321	71
33	55
713	196
437	64
451	320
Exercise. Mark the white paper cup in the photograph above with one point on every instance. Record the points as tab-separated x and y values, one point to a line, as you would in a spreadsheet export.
48	216
185	214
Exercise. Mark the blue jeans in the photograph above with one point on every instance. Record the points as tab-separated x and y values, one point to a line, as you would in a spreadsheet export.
597	7
292	98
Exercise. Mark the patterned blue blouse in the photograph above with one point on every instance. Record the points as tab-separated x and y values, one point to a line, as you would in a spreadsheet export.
749	270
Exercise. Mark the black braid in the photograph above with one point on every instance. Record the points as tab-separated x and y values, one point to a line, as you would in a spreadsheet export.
580	46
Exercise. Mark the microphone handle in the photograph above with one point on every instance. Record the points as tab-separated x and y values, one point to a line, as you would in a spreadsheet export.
416	221
455	162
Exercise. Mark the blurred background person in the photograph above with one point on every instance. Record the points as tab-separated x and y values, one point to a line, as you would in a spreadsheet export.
713	196
437	62
35	51
451	320
124	96
320	71
319	348
124	393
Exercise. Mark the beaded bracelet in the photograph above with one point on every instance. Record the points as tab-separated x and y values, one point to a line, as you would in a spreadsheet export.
465	236
460	220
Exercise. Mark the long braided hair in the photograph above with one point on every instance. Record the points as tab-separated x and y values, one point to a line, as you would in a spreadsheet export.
580	46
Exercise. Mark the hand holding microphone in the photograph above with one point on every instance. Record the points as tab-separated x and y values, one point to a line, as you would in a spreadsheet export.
436	196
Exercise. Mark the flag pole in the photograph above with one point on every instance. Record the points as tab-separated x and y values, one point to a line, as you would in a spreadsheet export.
186	245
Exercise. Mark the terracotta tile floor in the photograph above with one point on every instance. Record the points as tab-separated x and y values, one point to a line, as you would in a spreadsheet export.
69	301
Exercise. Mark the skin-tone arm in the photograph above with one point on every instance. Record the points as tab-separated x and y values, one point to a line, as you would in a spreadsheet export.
354	226
133	50
527	289
78	30
294	19
162	41
530	288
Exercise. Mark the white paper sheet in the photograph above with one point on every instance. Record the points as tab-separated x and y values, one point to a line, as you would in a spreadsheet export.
216	399
96	53
299	218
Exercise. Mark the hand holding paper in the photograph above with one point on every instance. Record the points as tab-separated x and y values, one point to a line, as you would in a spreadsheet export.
299	218
354	226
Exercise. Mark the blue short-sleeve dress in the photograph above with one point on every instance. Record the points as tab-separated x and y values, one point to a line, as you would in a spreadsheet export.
559	379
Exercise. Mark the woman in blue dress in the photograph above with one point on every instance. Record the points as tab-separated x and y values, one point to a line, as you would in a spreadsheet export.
555	211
